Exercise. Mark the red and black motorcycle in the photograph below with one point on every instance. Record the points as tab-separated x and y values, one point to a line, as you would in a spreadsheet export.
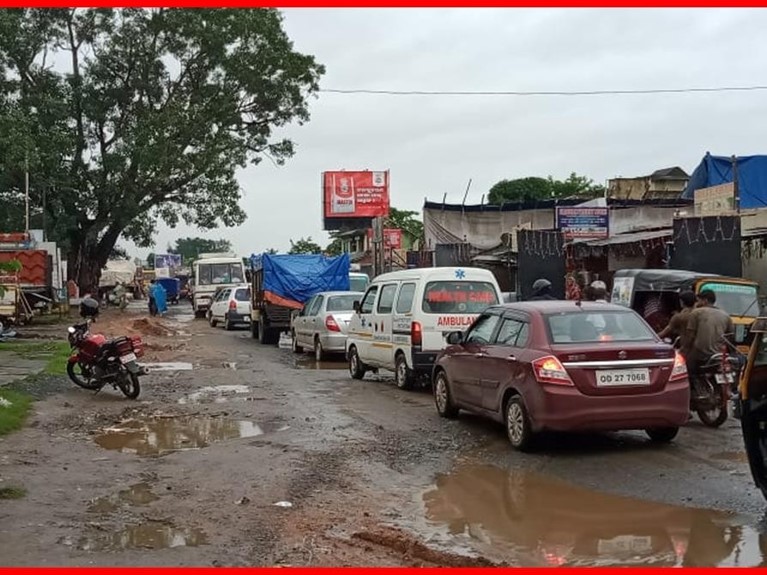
97	361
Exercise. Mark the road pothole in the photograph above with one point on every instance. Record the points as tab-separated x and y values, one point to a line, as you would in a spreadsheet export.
215	394
134	496
544	521
160	435
149	535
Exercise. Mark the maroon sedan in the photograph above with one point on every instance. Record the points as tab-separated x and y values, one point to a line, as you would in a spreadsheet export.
563	366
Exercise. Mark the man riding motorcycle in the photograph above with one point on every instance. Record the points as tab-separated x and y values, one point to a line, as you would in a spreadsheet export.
707	325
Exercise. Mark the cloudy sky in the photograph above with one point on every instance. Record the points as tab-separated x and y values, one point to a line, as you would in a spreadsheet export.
433	145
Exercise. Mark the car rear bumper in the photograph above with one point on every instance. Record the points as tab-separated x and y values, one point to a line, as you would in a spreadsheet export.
238	317
335	343
564	408
423	361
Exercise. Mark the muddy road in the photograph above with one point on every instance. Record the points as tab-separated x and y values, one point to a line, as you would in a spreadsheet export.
239	454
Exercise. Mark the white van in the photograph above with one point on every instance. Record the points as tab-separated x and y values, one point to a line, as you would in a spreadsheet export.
402	320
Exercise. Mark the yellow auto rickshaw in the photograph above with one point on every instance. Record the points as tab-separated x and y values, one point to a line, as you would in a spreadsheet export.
751	404
653	293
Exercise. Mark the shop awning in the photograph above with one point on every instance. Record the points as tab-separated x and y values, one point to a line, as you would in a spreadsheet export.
629	238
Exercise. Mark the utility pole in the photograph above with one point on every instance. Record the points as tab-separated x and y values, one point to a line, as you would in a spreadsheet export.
378	246
735	184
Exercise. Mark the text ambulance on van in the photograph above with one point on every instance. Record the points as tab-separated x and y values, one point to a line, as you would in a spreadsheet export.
403	318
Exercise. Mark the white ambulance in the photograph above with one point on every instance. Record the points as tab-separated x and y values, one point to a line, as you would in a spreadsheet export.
402	320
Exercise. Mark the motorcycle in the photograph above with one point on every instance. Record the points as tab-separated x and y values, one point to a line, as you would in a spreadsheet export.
97	361
712	388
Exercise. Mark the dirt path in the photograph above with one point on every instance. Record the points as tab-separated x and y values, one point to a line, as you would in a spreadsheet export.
239	454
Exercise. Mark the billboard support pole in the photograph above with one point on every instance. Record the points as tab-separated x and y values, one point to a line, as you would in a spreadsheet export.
735	186
378	259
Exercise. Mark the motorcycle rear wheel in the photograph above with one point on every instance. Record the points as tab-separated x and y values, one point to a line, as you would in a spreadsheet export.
80	379
129	385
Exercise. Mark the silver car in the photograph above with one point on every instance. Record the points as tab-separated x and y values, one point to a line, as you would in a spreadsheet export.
322	324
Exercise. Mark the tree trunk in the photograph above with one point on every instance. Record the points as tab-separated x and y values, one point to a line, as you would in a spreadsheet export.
86	260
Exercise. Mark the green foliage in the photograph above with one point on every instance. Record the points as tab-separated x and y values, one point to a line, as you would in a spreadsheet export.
534	188
407	221
191	248
304	246
11	267
147	116
14	409
335	247
12	492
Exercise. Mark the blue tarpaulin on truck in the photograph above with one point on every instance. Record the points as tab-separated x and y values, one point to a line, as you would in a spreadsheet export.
291	280
717	170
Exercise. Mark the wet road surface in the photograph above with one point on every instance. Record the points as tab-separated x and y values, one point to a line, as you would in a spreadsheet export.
240	454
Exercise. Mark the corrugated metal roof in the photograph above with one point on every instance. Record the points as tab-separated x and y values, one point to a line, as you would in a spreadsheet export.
629	238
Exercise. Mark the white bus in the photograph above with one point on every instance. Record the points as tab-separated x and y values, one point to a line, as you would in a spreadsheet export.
212	271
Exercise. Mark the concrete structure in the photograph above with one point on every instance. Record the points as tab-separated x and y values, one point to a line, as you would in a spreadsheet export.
668	183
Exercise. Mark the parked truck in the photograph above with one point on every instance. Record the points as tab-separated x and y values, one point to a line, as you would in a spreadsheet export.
282	284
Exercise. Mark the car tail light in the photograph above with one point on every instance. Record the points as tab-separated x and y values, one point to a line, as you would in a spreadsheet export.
680	368
550	370
232	305
416	334
331	324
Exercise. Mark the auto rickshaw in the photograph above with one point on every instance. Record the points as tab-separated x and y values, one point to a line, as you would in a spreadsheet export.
751	404
654	294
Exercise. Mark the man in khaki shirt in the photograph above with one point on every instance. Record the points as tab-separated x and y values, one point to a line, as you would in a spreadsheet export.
706	327
677	327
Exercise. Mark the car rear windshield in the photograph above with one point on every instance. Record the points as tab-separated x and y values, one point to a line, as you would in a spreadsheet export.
358	283
597	327
242	295
735	299
458	297
343	302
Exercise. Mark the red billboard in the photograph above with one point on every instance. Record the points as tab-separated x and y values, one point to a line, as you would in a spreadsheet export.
392	238
355	194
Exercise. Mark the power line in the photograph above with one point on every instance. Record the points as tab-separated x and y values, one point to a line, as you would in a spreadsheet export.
544	93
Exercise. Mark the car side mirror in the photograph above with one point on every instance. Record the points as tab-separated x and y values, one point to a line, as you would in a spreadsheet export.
455	337
356	307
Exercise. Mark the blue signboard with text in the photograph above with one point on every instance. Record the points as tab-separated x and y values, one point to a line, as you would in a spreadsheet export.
584	223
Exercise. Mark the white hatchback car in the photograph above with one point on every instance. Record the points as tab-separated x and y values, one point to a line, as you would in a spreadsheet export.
231	306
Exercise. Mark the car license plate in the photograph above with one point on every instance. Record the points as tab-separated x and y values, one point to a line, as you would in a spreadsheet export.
128	358
609	378
724	378
624	544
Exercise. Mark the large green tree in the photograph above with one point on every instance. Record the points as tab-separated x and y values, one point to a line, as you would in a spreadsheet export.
534	188
191	248
131	116
407	221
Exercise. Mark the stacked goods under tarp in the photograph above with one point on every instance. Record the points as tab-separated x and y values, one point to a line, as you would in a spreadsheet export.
283	283
115	271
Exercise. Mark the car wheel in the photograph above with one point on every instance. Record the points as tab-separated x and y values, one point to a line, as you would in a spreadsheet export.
319	353
403	375
662	434
227	324
518	427
294	344
356	367
442	398
211	321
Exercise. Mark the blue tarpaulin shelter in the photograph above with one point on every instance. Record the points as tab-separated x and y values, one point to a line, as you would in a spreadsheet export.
717	170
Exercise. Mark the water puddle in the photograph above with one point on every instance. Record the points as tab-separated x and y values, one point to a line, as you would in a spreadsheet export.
136	495
733	456
535	520
150	535
157	436
170	366
310	363
215	394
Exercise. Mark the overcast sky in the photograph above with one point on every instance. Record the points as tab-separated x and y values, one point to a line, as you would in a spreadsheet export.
434	144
